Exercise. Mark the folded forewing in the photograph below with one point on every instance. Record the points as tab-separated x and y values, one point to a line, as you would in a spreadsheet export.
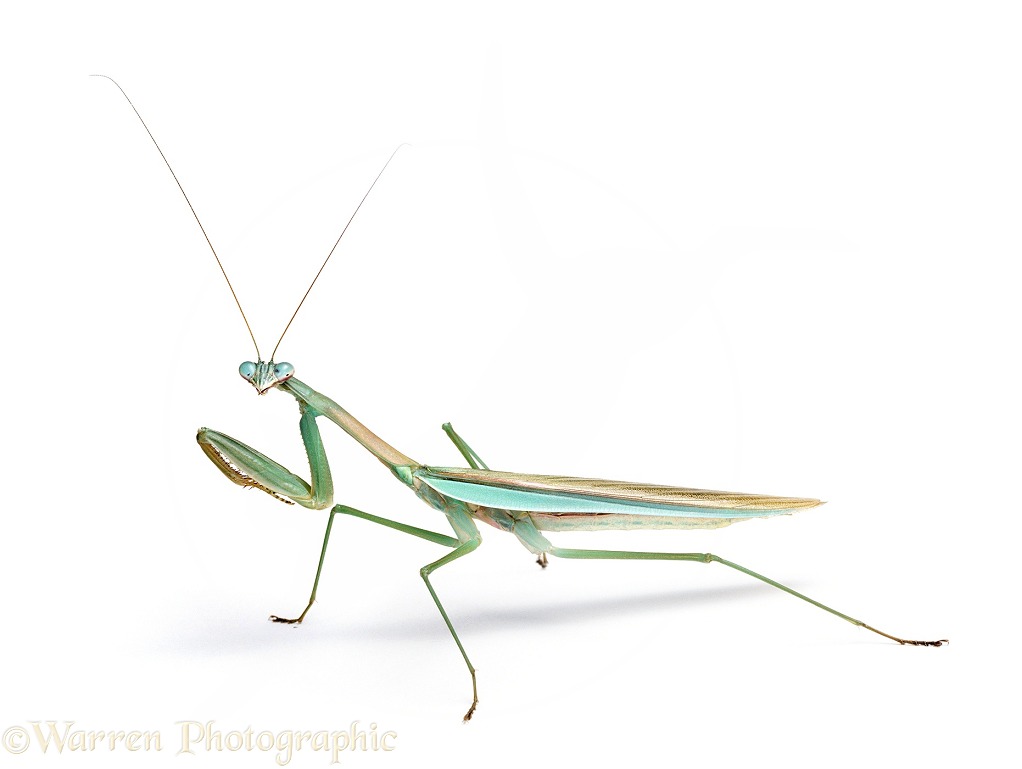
554	494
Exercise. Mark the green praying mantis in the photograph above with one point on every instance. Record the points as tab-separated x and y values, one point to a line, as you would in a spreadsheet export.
524	505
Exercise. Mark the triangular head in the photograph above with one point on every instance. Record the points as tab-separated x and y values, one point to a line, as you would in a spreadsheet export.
264	376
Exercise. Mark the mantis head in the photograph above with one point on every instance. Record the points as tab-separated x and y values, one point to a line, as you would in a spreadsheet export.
264	376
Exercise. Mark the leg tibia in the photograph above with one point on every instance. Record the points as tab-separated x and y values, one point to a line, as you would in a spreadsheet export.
464	549
710	558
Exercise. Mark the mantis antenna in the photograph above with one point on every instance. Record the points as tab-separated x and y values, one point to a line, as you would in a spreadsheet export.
197	220
334	248
210	244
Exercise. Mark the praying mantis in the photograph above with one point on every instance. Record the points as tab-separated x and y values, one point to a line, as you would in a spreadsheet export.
524	505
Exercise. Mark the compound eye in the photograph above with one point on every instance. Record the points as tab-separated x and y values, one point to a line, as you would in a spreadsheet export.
283	371
247	370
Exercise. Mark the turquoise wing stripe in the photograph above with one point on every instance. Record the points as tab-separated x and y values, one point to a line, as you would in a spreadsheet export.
546	502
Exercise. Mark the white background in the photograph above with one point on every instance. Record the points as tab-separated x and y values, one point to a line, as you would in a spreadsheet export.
765	249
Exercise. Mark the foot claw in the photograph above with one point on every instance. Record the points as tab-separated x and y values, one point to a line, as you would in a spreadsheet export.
471	710
285	620
904	641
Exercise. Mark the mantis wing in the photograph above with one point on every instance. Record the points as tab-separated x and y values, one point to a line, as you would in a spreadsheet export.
565	503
